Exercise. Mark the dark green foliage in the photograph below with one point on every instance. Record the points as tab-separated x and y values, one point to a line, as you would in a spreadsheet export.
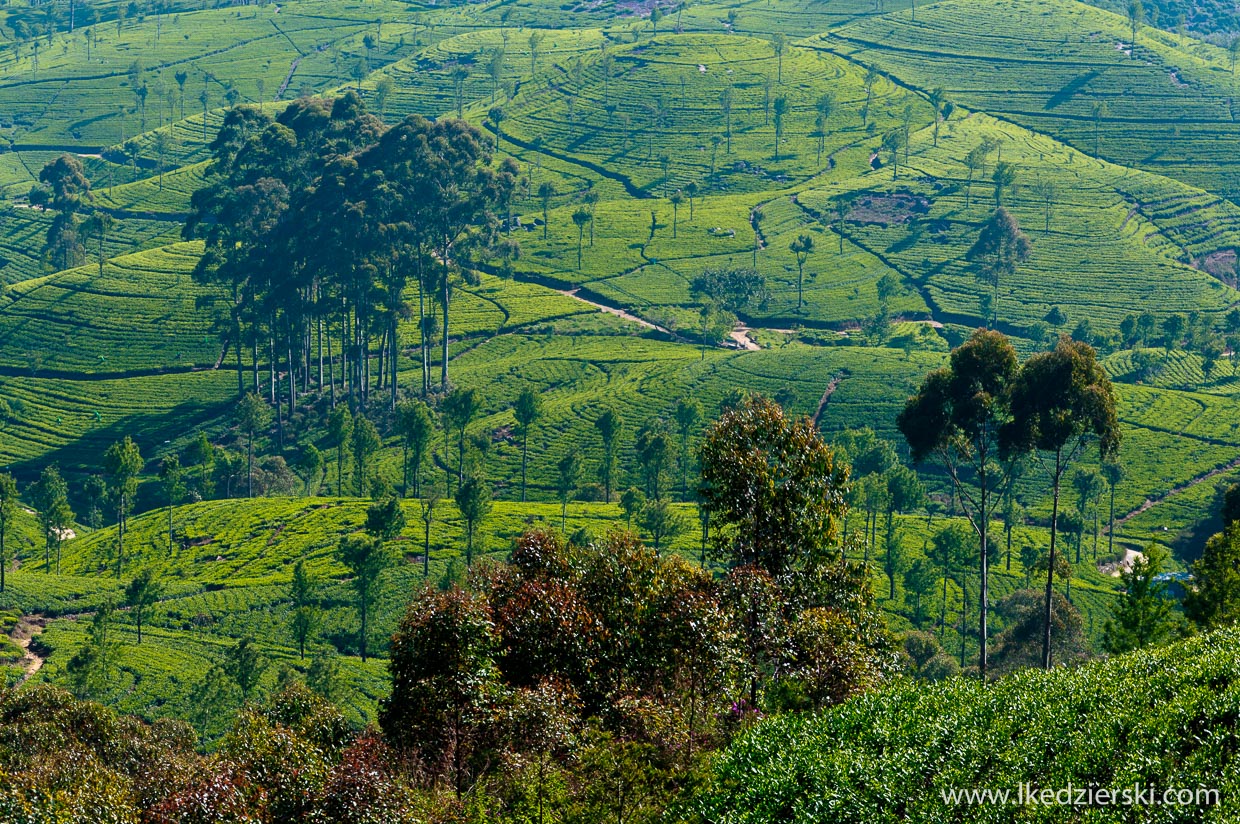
473	499
1146	614
367	558
385	519
773	486
143	592
1019	645
245	664
1214	600
908	744
956	418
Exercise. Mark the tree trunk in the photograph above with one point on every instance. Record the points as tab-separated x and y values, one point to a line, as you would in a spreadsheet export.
984	589
1050	572
525	446
426	550
447	297
331	368
1110	530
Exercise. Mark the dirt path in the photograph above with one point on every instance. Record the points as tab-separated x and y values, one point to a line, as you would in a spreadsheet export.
826	396
741	335
612	310
28	627
1150	503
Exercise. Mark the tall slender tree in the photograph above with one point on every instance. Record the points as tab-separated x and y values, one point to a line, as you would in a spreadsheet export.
50	496
301	593
780	110
415	426
801	248
609	425
142	593
122	463
473	501
527	410
8	512
340	433
366	557
1113	472
1000	248
459	409
252	416
172	479
956	417
1060	401
688	414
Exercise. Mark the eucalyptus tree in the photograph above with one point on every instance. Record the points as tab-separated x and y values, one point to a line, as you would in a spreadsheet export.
172	480
581	218
688	414
415	425
64	186
938	98
691	192
1113	473
252	415
801	249
956	418
1136	16
50	496
1060	401
973	161
872	76
122	463
1044	189
527	410
142	593
609	425
1004	178
726	100
98	224
546	191
1000	248
780	109
459	408
473	501
366	442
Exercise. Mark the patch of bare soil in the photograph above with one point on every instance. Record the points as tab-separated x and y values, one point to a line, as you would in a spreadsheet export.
1221	264
888	209
23	633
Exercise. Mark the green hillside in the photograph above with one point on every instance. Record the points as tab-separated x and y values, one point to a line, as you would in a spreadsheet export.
648	153
890	756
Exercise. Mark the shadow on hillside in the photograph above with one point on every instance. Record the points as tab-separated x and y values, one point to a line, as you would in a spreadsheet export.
152	432
1071	89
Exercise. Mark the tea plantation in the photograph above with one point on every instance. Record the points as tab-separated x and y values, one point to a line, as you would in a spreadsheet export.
846	155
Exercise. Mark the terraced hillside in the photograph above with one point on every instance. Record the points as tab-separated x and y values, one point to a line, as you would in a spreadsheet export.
1070	71
646	154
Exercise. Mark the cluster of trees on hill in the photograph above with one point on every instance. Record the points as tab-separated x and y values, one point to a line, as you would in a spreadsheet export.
314	223
984	410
